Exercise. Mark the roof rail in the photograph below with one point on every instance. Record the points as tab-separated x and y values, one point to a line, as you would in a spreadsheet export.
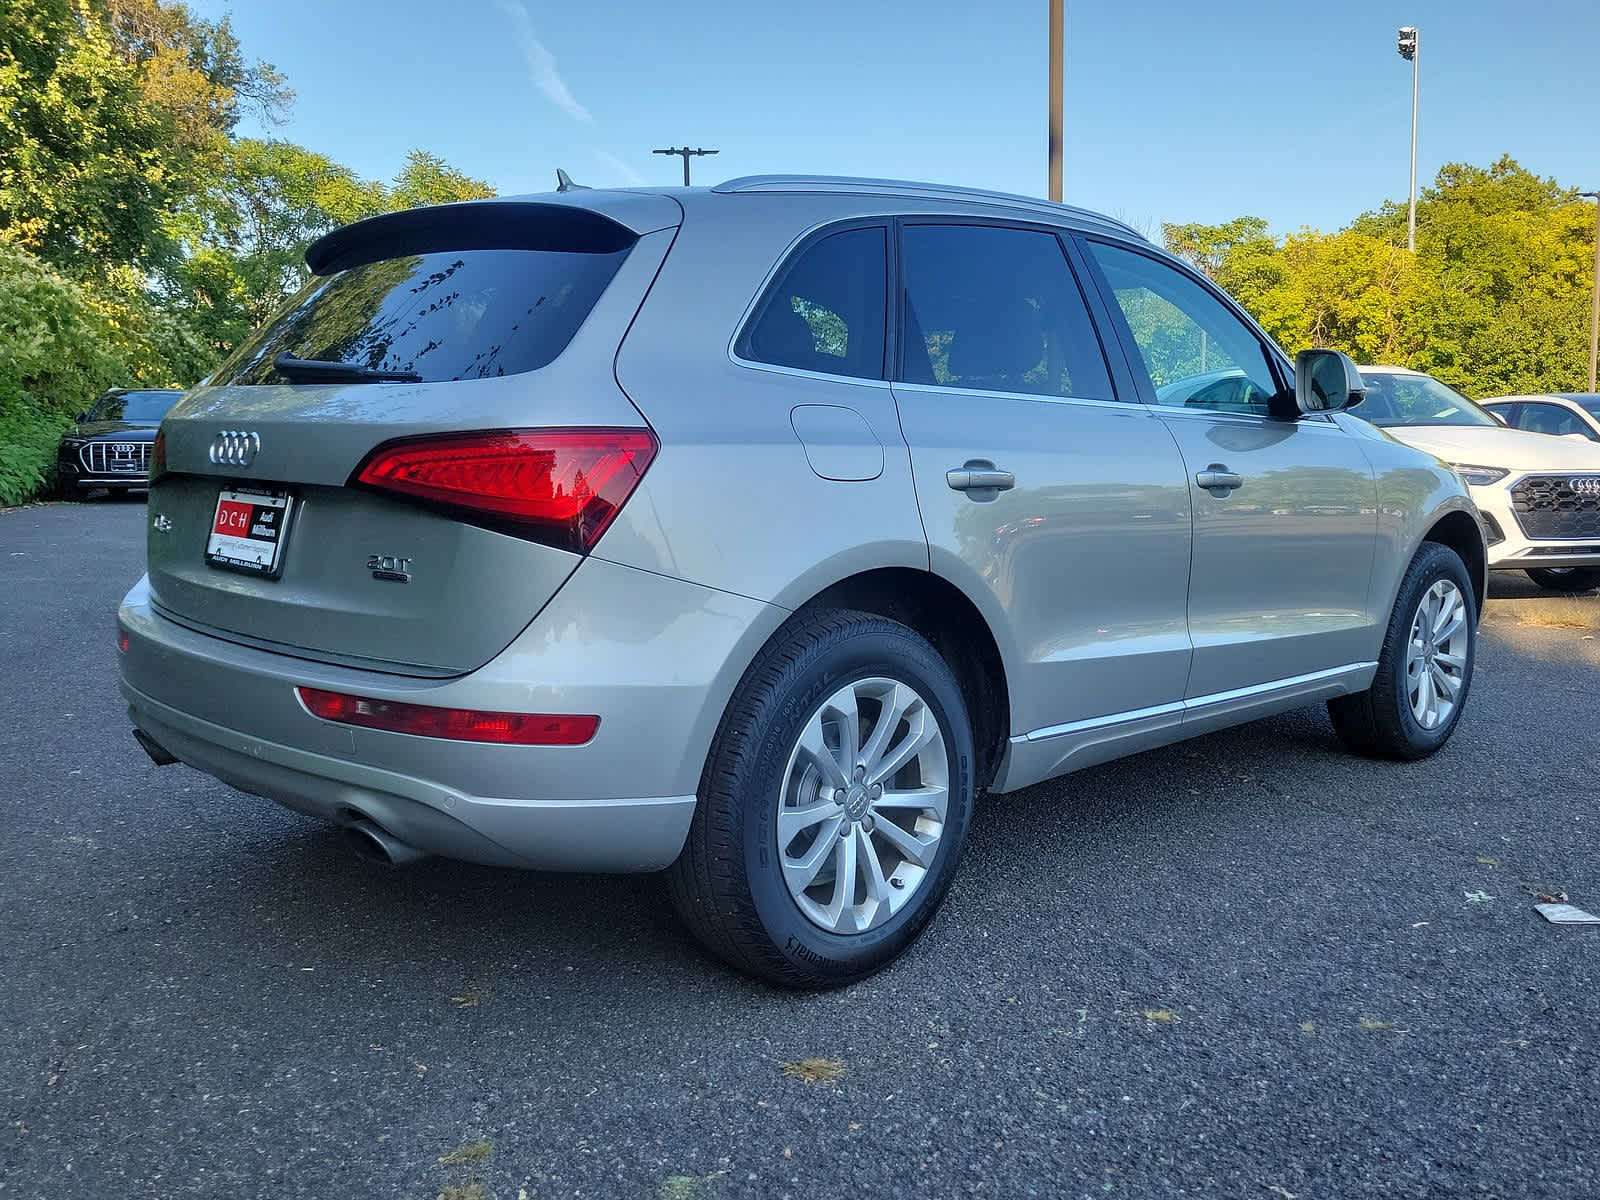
854	185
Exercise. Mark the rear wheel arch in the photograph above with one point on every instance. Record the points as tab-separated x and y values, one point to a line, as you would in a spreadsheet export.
947	618
944	615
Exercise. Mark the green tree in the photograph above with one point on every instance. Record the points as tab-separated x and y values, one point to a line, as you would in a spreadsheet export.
243	238
1494	300
428	179
110	110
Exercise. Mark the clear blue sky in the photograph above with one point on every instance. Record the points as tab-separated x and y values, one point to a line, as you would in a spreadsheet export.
1295	111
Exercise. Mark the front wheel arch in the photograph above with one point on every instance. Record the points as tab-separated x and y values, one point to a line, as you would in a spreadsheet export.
1461	532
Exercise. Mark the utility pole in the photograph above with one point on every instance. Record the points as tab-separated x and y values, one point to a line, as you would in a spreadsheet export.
1408	51
1058	37
1594	311
685	153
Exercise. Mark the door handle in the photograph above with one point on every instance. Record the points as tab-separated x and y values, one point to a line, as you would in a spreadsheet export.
979	475
1218	480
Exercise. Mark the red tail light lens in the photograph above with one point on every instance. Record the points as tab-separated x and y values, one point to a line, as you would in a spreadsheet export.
559	486
456	724
158	456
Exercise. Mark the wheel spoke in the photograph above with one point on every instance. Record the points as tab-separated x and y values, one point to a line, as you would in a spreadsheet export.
1449	686
926	799
843	706
844	882
815	748
791	821
921	730
1456	662
878	890
912	847
800	873
1452	626
895	706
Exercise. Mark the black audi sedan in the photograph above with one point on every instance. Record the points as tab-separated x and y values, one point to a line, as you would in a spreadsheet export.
110	448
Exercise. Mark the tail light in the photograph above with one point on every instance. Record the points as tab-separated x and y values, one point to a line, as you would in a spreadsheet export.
457	724
562	487
158	456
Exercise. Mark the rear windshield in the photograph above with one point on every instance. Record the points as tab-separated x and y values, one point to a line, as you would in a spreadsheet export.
452	314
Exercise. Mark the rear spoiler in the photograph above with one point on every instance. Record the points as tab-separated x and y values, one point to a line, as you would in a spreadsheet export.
601	223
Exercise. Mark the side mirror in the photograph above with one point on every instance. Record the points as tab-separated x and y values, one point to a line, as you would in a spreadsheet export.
1326	381
82	417
1498	416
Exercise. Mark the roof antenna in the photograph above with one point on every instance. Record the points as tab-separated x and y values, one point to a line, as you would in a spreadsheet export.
564	183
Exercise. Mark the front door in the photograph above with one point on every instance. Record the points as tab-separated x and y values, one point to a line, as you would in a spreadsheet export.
1285	510
1061	510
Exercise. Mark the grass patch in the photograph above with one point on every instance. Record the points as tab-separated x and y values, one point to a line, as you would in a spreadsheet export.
468	1152
472	1190
815	1070
1161	1016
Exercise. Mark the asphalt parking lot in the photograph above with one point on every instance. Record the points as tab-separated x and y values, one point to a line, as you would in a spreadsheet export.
1248	965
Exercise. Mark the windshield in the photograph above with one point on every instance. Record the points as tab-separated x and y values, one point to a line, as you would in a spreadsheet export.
1416	400
138	408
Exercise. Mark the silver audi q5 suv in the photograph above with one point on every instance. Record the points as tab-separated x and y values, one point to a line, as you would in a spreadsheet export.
752	532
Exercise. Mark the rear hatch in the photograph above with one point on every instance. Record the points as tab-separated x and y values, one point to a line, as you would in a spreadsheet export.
402	468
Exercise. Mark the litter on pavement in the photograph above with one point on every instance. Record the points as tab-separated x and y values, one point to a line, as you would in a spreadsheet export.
1566	914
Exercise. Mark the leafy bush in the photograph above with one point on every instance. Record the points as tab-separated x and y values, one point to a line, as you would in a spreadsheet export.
61	345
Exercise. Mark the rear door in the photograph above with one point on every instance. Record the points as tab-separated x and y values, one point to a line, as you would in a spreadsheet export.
1285	510
1061	509
505	317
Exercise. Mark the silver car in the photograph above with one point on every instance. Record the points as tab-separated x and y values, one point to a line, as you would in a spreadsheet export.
751	532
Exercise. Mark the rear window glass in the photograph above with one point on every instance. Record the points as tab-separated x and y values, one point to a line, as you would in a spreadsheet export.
452	314
827	311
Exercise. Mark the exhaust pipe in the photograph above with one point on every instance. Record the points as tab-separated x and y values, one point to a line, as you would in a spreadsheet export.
159	754
372	843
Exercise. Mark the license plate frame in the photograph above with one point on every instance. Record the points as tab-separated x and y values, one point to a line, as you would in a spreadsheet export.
243	541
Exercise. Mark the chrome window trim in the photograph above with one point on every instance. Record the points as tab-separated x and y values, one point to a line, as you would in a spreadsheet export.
945	388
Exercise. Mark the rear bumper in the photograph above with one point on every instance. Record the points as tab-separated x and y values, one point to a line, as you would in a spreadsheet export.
658	676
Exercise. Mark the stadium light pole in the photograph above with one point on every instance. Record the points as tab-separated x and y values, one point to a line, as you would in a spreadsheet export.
1594	308
1057	67
1408	51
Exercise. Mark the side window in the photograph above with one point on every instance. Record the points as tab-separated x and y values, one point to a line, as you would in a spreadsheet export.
1511	414
826	312
997	309
1197	352
1552	419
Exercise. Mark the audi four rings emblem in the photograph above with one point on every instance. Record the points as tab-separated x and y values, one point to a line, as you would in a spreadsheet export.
235	448
1586	485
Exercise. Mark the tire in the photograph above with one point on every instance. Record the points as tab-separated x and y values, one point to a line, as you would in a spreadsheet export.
1566	579
1383	721
730	884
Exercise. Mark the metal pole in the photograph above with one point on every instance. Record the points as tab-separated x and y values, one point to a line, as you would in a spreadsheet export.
1594	312
1411	222
1057	69
685	153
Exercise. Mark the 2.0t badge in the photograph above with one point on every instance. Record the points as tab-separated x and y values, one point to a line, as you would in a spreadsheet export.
389	567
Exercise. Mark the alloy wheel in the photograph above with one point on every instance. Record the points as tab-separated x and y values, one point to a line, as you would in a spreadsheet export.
863	803
1436	654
